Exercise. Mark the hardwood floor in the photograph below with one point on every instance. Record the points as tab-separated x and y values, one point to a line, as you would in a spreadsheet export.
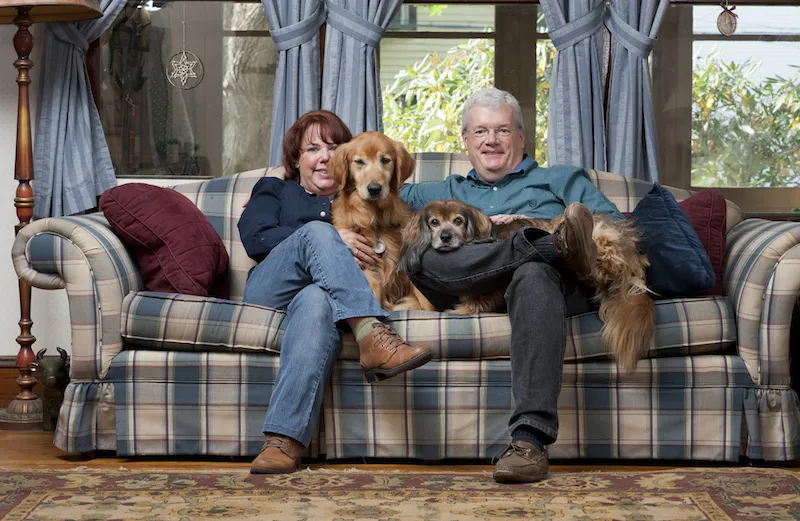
34	449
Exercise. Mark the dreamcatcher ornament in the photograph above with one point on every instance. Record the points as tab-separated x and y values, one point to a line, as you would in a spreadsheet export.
185	70
726	21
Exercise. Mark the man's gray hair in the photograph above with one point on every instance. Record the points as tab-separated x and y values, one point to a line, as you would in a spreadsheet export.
494	98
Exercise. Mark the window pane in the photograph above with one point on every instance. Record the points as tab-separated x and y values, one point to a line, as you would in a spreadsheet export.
745	114
244	17
249	75
425	84
432	18
155	129
541	23
545	55
750	20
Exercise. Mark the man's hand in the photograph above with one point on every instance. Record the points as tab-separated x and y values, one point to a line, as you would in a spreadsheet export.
505	218
362	251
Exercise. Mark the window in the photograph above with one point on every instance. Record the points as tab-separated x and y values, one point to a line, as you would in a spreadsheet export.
222	126
428	70
218	128
728	108
746	99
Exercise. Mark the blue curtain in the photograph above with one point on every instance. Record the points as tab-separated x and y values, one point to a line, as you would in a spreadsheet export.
72	165
576	123
631	133
294	25
351	86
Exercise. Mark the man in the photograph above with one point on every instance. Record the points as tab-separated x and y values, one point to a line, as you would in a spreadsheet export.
538	267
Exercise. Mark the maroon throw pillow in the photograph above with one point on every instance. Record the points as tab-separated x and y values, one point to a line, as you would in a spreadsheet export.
708	214
174	245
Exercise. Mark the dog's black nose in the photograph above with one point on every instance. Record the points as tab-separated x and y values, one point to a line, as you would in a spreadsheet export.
374	189
445	236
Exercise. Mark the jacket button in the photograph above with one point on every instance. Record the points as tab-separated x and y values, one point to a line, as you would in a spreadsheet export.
322	214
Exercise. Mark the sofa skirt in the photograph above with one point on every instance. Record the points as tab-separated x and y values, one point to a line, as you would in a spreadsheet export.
684	408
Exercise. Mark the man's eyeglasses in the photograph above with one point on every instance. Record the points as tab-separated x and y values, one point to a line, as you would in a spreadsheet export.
482	133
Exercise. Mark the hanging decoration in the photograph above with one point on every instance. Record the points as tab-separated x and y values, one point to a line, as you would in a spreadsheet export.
185	70
726	21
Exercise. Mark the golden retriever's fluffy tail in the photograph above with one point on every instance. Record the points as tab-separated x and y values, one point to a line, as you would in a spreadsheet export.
628	326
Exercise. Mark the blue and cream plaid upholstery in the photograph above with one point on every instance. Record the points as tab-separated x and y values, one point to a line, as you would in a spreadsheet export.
158	374
670	408
173	322
179	403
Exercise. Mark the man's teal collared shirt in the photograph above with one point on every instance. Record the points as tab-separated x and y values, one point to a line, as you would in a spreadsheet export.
528	190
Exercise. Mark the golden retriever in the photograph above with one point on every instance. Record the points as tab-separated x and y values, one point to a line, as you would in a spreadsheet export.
370	169
618	277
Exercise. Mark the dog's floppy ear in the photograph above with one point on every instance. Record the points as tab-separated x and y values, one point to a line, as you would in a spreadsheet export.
479	226
339	165
404	164
416	239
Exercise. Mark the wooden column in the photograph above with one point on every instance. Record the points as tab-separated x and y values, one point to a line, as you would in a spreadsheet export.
25	411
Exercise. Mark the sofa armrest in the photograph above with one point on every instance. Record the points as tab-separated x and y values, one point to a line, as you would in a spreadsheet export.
84	256
762	279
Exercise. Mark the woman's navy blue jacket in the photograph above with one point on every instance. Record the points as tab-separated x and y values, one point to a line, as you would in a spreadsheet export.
276	209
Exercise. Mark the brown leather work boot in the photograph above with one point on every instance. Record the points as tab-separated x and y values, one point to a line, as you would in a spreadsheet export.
573	239
279	455
384	354
522	462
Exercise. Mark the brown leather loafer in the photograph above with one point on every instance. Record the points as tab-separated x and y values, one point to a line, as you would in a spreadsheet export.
522	462
573	239
384	354
279	455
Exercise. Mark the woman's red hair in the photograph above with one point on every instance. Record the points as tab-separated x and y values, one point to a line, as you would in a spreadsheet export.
331	129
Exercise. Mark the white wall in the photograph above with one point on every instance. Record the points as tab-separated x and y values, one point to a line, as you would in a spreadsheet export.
49	312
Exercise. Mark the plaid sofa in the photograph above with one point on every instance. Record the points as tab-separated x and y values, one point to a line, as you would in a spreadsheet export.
169	374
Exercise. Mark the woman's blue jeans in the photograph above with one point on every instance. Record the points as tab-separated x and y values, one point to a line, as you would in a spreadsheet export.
313	277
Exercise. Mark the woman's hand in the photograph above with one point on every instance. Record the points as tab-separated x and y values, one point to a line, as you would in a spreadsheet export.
505	218
362	251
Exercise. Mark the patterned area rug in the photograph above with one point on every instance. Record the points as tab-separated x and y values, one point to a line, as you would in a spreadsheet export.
341	495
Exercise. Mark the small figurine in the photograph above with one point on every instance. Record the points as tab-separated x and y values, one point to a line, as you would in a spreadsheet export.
53	374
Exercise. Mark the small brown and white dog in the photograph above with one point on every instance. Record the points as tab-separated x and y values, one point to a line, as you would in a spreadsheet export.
370	170
618	277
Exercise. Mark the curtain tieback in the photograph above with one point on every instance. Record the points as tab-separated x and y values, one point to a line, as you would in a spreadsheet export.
67	32
578	30
353	25
636	42
297	34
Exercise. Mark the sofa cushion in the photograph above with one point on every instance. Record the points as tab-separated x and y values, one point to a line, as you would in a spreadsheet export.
177	322
165	321
679	265
175	247
707	212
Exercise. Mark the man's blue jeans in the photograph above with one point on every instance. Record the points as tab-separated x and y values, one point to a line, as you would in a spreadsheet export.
313	277
540	296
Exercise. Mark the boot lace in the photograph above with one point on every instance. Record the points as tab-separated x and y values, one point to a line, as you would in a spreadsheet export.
387	337
512	449
561	240
277	442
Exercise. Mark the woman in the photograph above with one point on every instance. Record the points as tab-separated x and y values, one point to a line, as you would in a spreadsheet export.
307	268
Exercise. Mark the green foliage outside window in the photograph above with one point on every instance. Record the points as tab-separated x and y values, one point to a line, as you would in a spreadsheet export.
743	133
